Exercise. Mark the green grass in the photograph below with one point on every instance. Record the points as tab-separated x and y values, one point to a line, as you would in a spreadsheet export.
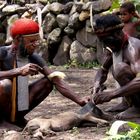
86	65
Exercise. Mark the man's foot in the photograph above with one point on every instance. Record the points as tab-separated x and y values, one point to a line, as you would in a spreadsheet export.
118	108
130	113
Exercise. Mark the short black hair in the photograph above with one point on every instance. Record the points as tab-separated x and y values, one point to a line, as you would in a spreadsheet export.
129	6
106	21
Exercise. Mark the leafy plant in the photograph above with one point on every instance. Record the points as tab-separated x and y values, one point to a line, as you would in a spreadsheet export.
115	5
132	134
75	64
137	4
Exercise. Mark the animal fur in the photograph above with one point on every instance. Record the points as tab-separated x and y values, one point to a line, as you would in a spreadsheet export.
63	122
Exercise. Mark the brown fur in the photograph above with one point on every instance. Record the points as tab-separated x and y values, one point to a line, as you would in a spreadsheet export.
63	122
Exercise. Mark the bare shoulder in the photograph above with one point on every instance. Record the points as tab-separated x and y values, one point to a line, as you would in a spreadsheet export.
134	42
132	53
3	51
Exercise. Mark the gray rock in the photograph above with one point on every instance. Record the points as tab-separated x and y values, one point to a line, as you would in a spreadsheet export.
67	7
62	20
88	39
56	8
42	49
79	6
10	8
43	1
69	31
74	22
14	8
62	57
49	23
98	6
54	36
81	54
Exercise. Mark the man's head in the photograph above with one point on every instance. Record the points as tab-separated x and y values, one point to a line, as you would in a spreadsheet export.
25	33
109	30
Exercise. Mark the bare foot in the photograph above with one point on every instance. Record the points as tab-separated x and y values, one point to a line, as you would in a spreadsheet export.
130	113
118	108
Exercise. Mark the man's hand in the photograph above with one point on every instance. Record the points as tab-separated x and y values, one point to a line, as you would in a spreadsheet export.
30	68
84	100
102	97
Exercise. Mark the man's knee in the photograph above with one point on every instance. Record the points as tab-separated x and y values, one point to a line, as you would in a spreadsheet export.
45	84
123	73
49	85
5	86
123	68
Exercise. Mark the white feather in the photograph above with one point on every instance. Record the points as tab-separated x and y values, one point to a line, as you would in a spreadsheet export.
57	74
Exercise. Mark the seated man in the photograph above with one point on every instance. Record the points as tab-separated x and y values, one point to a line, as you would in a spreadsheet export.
123	55
13	64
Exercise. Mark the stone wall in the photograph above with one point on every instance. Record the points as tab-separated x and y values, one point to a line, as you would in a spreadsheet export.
67	32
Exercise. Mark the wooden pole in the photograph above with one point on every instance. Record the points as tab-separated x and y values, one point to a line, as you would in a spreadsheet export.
13	98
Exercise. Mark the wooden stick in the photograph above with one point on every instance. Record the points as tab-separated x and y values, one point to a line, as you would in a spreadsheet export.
13	98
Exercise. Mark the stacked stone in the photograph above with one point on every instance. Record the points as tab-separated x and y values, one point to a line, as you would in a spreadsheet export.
67	28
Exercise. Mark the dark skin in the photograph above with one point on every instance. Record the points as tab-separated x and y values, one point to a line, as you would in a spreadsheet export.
38	90
124	72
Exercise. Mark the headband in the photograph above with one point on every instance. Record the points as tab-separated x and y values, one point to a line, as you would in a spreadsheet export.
102	30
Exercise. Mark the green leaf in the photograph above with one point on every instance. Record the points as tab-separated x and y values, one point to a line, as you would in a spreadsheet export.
133	125
117	137
115	5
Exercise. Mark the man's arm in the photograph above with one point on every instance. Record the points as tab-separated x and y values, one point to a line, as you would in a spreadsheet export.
129	88
133	86
28	69
102	73
59	83
64	88
10	73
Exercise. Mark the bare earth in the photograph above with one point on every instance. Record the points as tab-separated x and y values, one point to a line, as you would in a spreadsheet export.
81	81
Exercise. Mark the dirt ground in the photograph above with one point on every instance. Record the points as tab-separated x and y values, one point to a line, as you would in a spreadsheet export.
81	81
